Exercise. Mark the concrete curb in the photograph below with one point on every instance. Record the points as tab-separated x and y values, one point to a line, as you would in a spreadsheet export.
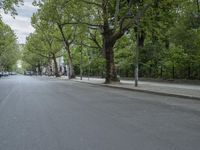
142	90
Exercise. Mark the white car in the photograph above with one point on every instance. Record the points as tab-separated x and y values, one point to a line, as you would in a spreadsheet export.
5	73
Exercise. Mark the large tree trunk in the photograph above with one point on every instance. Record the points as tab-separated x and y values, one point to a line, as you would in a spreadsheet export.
199	73
56	66
39	69
161	71
198	6
189	71
173	71
71	72
108	44
111	74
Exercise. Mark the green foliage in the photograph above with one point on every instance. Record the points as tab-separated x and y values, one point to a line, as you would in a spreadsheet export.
125	56
170	35
9	5
9	52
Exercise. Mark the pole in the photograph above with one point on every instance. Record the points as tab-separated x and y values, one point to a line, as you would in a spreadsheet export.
137	43
81	63
137	54
89	68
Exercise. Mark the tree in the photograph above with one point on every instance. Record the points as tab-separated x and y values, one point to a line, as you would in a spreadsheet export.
112	19
8	47
47	52
186	35
159	32
43	43
9	5
61	13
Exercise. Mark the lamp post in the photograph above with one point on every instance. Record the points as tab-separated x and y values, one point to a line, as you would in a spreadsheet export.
89	62
137	52
81	63
137	42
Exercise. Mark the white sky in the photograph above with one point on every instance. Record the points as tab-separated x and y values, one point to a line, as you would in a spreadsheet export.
22	22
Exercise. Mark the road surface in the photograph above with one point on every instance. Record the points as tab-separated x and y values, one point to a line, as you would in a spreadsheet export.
39	113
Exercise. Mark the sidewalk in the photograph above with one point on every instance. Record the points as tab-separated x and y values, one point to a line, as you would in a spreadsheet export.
169	89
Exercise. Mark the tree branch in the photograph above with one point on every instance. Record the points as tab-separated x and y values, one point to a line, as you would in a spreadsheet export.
84	23
94	39
37	53
83	44
132	20
92	3
73	36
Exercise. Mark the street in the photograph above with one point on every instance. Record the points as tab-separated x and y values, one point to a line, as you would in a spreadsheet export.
41	113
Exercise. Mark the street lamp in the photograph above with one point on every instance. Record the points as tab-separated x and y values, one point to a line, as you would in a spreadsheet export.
137	42
89	62
137	52
81	62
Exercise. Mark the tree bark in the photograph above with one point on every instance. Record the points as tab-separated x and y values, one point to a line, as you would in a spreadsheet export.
39	69
189	71
108	45
161	71
56	66
199	73
71	72
173	71
111	74
198	6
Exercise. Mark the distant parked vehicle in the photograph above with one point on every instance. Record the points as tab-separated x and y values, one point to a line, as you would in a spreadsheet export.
5	74
12	73
1	74
28	73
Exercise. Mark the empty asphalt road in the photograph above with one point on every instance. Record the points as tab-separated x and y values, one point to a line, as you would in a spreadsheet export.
41	113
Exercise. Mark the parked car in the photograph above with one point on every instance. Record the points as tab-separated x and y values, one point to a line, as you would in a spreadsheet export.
5	74
12	73
28	73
